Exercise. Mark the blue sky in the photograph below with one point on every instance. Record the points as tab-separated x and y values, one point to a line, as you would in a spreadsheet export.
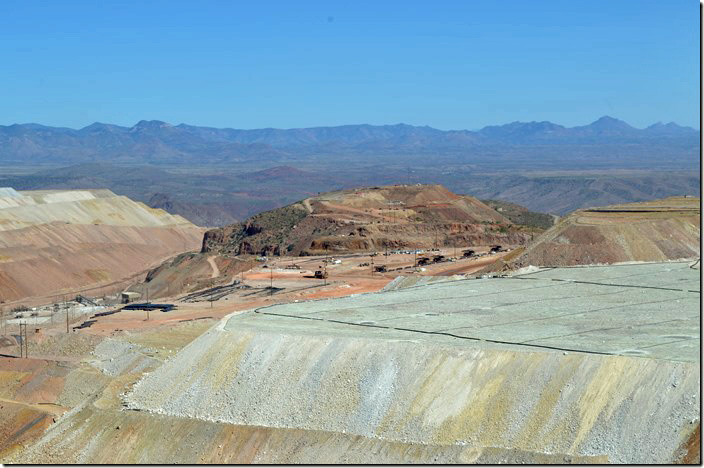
449	65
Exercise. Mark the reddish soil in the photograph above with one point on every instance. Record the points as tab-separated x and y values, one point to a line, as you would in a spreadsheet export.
21	424
691	449
423	216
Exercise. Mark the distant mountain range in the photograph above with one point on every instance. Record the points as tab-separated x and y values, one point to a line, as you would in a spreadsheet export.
156	142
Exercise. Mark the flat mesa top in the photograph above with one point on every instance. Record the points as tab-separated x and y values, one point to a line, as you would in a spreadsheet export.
649	310
670	204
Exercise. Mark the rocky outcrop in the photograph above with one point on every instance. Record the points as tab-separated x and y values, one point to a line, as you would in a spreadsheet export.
368	219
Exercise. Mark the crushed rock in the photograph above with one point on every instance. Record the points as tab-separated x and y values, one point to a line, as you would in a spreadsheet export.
116	357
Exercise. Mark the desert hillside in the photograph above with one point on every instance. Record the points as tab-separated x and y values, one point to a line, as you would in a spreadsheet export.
399	216
60	242
657	230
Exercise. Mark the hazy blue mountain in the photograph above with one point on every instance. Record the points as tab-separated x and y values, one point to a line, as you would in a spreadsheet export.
157	142
606	130
671	128
607	126
521	132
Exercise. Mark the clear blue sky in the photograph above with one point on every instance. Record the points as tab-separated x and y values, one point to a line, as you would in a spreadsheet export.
247	64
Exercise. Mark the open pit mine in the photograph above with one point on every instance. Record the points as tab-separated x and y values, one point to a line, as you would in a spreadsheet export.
567	357
570	365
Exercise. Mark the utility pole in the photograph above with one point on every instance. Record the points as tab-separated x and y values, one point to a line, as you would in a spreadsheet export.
372	263
66	309
24	339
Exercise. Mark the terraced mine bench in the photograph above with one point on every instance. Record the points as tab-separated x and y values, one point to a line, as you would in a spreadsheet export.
564	365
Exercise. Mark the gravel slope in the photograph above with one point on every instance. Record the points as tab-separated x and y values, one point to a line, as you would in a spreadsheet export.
632	410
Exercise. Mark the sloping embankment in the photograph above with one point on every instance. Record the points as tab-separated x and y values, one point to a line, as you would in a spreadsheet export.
652	231
54	242
97	436
405	390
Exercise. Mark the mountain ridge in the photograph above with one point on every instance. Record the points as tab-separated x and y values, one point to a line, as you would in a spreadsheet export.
159	142
601	121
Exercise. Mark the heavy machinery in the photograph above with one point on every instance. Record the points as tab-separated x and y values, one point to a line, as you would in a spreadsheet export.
321	274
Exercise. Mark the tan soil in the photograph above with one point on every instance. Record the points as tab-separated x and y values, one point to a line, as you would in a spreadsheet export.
20	425
61	242
422	216
658	230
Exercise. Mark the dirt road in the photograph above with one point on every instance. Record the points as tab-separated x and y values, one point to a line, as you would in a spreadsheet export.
216	270
52	408
466	268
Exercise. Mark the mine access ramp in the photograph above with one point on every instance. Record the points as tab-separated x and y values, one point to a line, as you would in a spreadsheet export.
150	306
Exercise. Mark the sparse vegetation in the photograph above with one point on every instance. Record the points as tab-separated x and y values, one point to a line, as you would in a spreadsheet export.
520	215
432	210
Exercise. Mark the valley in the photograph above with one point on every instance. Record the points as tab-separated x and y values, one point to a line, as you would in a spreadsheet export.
217	196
